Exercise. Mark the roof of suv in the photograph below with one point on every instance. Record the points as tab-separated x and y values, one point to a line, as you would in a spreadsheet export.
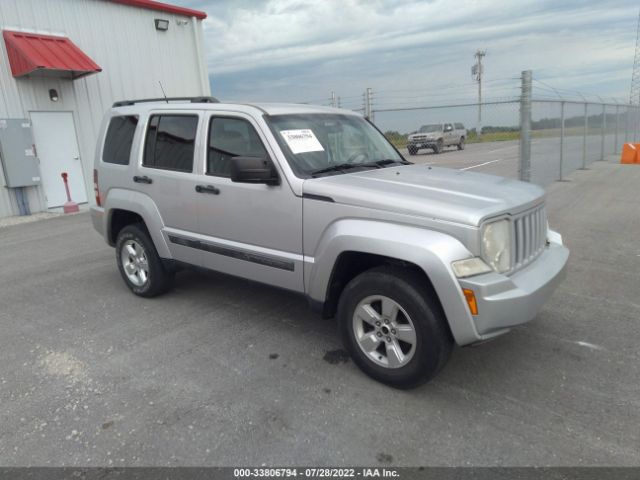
268	108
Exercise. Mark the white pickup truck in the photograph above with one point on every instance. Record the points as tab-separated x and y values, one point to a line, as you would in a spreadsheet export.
437	136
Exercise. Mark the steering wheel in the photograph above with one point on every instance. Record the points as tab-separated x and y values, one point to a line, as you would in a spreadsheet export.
354	156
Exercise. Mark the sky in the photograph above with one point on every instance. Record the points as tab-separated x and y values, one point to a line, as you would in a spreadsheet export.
417	53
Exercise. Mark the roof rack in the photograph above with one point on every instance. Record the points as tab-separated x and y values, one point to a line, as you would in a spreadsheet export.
124	103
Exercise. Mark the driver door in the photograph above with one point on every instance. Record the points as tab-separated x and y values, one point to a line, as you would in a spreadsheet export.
248	230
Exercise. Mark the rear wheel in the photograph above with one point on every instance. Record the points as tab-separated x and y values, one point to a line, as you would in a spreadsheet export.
139	263
393	327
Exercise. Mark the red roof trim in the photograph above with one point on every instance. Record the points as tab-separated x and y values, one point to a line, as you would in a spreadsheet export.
31	52
163	7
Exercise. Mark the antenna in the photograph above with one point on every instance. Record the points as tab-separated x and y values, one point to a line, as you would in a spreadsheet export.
163	94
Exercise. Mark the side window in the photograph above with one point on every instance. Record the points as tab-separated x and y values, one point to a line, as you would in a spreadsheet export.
119	138
228	138
170	142
459	126
447	127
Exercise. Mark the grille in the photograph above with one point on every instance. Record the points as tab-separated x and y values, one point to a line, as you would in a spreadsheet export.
530	236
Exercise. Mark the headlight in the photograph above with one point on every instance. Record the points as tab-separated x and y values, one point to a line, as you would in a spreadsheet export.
496	245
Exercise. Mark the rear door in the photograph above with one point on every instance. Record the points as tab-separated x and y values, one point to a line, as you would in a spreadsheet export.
167	175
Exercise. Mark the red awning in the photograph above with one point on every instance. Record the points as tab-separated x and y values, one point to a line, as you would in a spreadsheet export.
46	55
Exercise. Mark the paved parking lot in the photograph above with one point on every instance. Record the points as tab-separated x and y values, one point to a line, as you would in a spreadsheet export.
502	158
221	371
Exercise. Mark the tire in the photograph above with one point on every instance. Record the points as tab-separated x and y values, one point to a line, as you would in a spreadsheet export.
438	148
412	150
423	354
461	144
139	263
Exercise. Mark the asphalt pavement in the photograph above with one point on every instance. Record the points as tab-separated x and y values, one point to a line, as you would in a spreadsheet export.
221	371
502	158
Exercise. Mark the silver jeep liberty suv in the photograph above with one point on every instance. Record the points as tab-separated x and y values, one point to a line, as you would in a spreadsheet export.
411	259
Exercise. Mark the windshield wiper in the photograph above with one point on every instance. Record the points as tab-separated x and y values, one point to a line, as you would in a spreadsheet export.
347	166
385	162
336	168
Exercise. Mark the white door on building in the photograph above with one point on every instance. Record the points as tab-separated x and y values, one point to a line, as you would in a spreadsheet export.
57	149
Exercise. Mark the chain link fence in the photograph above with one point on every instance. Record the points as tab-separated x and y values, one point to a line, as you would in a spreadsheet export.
555	137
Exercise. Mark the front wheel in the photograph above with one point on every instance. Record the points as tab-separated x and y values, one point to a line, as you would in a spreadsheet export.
461	144
438	146
393	327
139	263
412	150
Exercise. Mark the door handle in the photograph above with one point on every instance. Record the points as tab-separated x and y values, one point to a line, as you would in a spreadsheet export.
143	179
207	189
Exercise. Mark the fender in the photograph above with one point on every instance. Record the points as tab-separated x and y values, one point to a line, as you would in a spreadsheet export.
143	205
432	251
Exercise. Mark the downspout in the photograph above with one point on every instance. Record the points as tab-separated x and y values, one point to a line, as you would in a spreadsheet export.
202	70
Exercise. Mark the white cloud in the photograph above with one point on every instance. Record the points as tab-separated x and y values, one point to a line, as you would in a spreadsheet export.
297	49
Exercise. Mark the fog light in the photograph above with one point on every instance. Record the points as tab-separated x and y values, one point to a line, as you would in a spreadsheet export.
470	297
470	267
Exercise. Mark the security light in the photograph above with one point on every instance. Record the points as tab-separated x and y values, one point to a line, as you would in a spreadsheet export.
53	95
162	25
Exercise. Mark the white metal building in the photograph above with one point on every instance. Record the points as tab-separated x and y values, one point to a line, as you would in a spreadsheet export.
62	65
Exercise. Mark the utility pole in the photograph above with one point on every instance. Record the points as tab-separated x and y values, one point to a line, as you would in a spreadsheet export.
476	71
333	99
368	104
634	96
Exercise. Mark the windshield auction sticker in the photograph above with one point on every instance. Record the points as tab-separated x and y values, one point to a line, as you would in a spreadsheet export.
301	141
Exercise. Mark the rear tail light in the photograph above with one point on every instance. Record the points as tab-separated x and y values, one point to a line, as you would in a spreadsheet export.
96	189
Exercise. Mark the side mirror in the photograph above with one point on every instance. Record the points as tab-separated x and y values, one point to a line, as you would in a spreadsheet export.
448	129
254	170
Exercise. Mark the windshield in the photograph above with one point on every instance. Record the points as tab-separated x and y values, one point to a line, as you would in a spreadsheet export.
317	142
430	128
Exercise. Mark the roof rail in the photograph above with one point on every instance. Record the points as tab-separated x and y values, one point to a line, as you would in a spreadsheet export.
124	103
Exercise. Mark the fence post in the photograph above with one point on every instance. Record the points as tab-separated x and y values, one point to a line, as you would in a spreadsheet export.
561	138
525	127
584	136
604	126
626	124
615	142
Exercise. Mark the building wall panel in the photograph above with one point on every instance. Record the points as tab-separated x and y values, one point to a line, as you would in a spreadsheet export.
134	57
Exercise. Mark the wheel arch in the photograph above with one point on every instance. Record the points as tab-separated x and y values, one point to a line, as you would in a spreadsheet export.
124	207
351	263
358	245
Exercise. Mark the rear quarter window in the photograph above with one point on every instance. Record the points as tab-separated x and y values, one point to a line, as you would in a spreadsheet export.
119	139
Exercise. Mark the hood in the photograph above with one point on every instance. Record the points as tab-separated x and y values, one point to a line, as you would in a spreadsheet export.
441	193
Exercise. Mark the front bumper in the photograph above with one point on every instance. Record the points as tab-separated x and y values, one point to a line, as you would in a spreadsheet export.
506	301
427	143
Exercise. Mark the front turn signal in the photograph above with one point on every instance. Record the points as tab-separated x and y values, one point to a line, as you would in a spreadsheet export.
471	300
